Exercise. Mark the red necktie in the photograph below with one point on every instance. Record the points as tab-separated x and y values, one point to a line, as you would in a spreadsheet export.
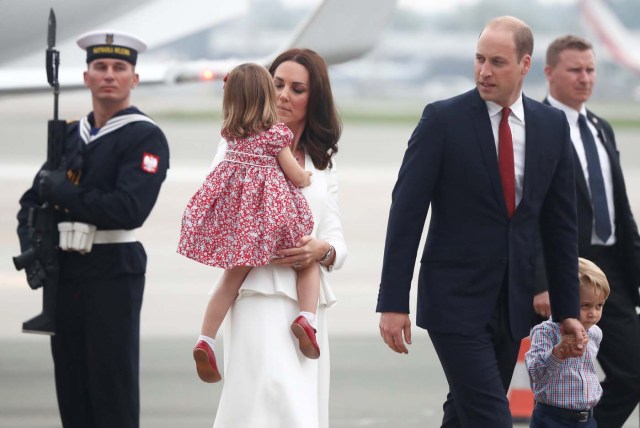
505	162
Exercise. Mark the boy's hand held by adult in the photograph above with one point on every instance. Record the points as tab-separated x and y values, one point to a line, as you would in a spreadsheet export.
575	327
566	348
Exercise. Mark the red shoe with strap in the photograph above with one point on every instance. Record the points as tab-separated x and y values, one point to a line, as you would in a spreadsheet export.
206	363
306	336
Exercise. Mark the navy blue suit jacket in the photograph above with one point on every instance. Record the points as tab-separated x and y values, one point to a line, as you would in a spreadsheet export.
628	239
472	247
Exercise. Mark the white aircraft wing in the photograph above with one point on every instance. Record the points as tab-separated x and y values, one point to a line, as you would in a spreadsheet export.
23	32
339	30
343	30
619	42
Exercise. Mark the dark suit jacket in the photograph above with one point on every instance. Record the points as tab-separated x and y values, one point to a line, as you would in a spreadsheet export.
627	238
472	247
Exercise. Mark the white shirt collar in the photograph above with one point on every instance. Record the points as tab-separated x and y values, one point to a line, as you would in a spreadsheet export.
517	108
571	113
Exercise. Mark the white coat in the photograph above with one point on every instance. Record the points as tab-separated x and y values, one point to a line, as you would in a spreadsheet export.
267	382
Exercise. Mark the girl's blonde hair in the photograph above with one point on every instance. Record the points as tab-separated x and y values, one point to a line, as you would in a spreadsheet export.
591	275
249	102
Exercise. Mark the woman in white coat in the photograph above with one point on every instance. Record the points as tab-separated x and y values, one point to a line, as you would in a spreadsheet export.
268	383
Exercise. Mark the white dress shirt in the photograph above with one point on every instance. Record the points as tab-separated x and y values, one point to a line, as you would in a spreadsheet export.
605	163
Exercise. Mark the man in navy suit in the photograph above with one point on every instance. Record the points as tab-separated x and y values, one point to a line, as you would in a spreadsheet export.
607	231
475	284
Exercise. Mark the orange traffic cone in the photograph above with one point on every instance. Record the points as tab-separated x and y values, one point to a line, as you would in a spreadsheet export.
521	400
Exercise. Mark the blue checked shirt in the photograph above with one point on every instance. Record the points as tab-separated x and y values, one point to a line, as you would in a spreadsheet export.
569	384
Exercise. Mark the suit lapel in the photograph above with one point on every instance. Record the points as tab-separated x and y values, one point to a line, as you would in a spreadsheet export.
532	151
608	146
616	170
484	133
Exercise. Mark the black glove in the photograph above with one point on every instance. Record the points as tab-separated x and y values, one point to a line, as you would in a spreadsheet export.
49	181
36	275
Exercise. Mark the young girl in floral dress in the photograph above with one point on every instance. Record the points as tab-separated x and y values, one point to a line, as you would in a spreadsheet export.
248	208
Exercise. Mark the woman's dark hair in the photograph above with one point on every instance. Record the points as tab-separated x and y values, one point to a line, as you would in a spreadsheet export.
323	127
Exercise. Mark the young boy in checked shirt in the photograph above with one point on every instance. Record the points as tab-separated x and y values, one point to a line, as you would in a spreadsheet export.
567	389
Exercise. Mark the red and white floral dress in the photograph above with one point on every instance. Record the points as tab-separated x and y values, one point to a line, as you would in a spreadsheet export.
246	209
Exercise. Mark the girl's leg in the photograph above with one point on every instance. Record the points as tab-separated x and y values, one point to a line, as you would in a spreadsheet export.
217	308
308	286
303	327
222	299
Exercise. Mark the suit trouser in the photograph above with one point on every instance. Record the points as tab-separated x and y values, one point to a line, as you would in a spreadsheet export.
96	352
619	353
478	369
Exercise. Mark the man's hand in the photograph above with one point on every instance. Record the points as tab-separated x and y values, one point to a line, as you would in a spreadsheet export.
575	327
395	329
36	275
49	181
563	349
541	304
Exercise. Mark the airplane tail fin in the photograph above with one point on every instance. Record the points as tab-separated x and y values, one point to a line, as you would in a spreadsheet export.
338	30
608	28
341	30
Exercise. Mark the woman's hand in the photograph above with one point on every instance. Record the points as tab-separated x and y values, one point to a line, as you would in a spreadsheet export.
308	250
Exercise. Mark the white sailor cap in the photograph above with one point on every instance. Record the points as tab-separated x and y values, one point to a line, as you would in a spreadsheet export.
111	44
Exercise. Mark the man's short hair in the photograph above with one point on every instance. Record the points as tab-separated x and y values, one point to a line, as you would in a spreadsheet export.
522	34
563	43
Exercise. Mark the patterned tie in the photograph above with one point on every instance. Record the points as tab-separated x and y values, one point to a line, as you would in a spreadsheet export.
505	162
596	182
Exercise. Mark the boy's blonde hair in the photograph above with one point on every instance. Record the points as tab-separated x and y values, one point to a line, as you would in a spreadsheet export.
591	275
249	102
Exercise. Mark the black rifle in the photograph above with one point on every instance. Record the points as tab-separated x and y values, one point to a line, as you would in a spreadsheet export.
41	259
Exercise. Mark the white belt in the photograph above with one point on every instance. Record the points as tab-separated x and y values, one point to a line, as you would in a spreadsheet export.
119	236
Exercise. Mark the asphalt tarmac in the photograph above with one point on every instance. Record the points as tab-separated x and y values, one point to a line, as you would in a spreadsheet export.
371	386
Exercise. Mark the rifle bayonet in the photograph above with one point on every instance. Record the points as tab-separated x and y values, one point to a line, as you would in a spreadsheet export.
51	30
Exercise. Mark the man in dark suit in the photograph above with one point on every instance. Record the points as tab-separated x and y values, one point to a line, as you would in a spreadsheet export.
476	277
607	232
